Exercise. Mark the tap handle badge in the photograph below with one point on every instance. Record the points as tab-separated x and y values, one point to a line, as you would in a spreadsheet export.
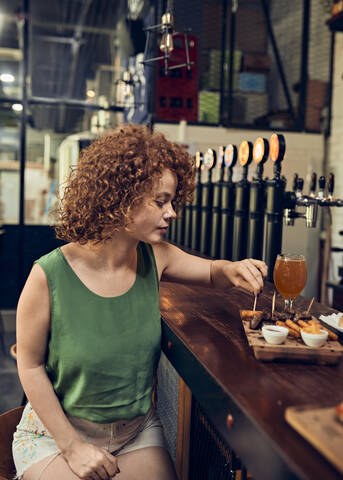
230	155
198	160
260	150
245	153
210	159
277	147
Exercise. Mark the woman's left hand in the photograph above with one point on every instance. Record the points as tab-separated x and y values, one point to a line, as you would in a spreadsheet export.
247	274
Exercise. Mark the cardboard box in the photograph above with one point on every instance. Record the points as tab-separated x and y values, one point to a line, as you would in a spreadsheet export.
252	82
209	106
316	93
256	62
312	118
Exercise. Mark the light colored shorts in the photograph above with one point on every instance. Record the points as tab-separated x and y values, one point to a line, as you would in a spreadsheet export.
32	442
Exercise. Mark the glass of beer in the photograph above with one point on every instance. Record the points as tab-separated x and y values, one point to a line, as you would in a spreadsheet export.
290	274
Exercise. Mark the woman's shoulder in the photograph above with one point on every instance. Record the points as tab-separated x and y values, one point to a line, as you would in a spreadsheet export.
161	253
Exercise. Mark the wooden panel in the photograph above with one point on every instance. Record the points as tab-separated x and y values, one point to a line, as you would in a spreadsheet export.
183	431
292	350
320	427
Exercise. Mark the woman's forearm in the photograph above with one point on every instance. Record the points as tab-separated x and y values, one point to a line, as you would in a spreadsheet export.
45	403
247	274
218	277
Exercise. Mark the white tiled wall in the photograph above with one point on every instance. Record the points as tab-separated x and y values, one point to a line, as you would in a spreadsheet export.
335	157
335	160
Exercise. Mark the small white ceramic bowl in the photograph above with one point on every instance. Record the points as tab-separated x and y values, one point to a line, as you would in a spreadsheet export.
274	334
315	340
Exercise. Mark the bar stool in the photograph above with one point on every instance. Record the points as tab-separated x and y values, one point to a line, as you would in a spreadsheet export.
8	422
13	353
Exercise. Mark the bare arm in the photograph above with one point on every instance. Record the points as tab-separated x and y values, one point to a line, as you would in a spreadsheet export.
178	266
33	325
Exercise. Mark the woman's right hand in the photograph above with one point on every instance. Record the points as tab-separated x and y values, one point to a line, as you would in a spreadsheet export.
90	462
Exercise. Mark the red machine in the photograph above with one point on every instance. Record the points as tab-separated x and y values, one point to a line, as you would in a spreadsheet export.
177	92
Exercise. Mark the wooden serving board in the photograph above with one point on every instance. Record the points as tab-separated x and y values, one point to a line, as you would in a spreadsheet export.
320	427
292	350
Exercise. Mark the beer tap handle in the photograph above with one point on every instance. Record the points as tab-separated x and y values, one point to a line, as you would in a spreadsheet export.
322	184
313	184
331	184
295	182
300	186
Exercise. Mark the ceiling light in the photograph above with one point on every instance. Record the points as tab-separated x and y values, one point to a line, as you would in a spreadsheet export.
90	93
128	84
7	77
167	29
17	107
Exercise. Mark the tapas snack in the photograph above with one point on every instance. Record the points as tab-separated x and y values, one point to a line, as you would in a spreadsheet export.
294	322
248	314
332	336
339	412
293	325
255	317
291	332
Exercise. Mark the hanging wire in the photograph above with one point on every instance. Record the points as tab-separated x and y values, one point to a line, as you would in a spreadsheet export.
170	6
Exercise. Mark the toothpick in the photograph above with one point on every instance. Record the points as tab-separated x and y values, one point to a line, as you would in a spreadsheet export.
273	303
255	303
309	307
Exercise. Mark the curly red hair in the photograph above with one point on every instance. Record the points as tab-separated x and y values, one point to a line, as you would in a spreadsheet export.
113	175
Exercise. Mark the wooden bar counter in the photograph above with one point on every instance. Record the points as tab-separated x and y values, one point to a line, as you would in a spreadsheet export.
244	398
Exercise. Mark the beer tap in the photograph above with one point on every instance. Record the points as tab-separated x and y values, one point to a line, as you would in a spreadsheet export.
196	204
329	200
288	212
216	217
277	200
299	188
257	201
241	219
209	162
228	203
331	186
313	185
321	191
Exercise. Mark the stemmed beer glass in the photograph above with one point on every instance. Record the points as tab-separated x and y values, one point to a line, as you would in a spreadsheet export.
290	274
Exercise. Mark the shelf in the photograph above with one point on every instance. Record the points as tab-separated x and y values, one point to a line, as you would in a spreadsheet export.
335	23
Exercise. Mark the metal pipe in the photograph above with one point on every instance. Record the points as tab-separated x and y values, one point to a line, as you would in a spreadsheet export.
23	121
241	220
227	203
227	213
304	64
180	235
216	216
275	189
328	129
257	201
188	225
206	202
223	51
232	49
196	205
278	61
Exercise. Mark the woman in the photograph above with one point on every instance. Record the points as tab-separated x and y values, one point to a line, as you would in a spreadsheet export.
88	323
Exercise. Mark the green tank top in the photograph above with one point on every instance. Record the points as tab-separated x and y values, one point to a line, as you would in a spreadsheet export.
103	352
